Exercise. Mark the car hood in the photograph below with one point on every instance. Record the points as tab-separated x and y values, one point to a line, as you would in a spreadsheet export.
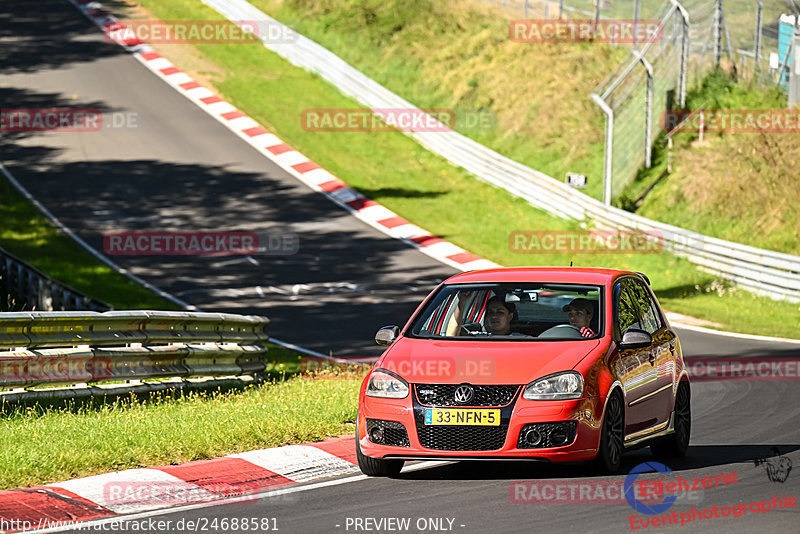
425	361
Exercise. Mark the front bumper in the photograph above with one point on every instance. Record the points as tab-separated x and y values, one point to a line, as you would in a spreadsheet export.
403	420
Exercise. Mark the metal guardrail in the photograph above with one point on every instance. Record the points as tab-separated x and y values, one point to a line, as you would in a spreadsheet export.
57	348
762	271
25	287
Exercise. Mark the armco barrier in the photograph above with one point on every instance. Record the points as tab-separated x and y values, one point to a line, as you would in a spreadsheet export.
24	287
770	273
57	348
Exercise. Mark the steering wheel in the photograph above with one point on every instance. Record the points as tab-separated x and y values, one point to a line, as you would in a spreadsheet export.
471	329
563	330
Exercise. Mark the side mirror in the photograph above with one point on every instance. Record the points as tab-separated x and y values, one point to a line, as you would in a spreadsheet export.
387	335
634	338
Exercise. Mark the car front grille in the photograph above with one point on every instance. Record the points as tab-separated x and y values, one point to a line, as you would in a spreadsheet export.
444	395
462	438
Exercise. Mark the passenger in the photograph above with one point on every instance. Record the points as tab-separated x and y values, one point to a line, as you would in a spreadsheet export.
581	313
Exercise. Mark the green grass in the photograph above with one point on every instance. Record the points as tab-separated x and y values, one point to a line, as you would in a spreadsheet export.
168	428
27	234
456	55
739	187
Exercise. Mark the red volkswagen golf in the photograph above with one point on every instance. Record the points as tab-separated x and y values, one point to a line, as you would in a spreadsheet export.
555	364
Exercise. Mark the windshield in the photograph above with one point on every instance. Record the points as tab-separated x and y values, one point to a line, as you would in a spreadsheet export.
512	312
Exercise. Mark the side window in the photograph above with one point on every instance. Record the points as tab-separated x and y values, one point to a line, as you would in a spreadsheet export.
645	307
626	309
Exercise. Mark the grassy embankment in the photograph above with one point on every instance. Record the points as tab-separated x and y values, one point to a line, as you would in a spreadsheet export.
737	186
458	55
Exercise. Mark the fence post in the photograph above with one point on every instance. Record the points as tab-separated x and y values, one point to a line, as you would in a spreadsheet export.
525	7
560	9
684	51
609	146
636	7
648	134
596	13
717	32
759	13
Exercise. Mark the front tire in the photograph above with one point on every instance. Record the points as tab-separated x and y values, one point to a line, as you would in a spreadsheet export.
375	467
677	443
609	456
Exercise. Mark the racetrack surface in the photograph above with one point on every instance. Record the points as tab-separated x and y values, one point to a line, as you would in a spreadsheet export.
735	425
181	170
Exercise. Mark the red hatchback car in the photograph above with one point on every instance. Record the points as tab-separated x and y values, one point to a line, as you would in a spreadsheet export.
529	363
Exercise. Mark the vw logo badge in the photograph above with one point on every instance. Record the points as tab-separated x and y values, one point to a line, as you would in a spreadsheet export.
464	394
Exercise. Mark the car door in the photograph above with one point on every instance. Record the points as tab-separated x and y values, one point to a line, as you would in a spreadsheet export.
662	356
635	367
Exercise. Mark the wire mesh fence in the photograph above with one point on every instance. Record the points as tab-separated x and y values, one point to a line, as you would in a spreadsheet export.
738	35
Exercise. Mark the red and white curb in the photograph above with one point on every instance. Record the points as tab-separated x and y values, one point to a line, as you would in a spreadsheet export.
273	148
252	473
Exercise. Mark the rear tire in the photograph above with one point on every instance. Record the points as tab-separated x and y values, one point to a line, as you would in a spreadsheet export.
612	441
677	443
375	467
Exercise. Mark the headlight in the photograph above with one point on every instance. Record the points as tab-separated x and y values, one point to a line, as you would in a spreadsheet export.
386	384
561	386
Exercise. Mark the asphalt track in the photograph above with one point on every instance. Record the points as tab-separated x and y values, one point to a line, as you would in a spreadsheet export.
181	170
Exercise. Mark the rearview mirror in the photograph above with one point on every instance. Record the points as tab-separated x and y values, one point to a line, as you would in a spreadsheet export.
387	335
634	338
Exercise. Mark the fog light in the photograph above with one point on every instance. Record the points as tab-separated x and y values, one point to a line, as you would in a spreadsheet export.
558	436
533	437
376	435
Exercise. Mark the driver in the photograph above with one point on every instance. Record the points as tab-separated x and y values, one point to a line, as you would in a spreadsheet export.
499	315
580	312
497	320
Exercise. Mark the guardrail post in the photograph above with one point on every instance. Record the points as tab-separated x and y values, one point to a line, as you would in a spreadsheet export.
609	146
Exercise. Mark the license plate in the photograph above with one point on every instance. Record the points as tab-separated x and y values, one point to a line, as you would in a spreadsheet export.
462	416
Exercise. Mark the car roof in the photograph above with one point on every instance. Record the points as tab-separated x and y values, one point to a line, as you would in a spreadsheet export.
575	275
